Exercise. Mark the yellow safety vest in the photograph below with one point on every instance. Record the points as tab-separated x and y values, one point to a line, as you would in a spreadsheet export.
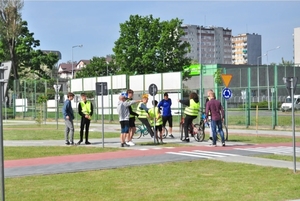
141	113
151	114
132	108
85	107
193	109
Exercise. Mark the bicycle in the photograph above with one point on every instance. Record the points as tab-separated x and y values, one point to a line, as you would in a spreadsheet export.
195	130
141	130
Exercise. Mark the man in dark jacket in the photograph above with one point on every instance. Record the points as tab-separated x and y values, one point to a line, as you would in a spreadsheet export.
214	107
68	114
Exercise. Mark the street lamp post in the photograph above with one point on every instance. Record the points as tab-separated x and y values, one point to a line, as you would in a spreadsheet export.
258	78
72	59
268	81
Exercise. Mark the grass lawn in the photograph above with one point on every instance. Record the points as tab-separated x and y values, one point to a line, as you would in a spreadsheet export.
278	157
194	180
46	132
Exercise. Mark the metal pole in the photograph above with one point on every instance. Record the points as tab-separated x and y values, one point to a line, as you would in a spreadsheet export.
293	123
258	78
102	117
56	104
1	139
72	64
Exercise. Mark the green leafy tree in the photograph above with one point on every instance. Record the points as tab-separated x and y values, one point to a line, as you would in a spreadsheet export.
218	76
10	29
98	67
147	45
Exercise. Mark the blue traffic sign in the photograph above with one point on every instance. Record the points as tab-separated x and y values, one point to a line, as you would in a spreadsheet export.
226	93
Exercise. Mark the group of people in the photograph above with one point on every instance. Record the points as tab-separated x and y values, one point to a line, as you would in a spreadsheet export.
157	116
85	110
150	117
214	113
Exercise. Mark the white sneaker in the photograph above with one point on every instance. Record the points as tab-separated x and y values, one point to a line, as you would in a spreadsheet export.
130	143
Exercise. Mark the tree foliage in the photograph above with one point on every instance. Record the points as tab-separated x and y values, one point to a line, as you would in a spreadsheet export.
148	45
98	66
218	76
18	44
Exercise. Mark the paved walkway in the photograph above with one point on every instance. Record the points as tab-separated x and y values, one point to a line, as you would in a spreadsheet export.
145	154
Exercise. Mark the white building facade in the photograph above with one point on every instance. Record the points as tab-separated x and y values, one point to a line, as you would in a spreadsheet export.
297	46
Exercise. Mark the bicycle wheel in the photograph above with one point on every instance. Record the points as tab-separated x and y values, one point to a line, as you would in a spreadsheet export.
138	132
199	134
165	132
181	132
225	130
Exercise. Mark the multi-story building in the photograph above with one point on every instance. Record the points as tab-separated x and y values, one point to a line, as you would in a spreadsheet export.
246	49
297	46
209	45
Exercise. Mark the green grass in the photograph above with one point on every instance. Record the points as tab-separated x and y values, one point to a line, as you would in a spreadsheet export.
278	157
187	181
46	132
12	153
254	139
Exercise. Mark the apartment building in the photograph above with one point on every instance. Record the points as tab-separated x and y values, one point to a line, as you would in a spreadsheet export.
209	45
297	46
246	49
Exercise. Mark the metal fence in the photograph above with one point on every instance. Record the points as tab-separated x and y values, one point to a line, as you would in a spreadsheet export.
257	93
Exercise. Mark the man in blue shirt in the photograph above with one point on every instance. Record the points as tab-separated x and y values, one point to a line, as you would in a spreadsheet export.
68	115
165	104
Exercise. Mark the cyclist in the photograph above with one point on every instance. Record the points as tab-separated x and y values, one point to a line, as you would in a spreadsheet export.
191	111
154	113
217	116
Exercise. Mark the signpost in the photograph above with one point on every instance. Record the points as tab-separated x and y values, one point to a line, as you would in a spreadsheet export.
153	91
101	90
291	85
226	93
4	75
57	97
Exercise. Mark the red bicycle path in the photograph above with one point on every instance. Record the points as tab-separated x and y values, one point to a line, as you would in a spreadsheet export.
129	153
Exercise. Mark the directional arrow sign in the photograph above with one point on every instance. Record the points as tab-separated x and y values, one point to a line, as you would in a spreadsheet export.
226	79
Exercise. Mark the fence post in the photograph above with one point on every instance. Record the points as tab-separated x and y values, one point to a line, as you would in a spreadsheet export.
249	98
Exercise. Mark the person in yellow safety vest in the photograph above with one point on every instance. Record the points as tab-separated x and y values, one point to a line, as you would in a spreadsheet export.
155	116
209	114
142	111
191	111
85	110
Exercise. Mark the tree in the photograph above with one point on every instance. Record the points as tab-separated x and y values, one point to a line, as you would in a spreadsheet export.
98	66
147	45
29	62
10	28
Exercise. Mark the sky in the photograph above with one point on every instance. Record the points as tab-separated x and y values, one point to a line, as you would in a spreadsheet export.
60	25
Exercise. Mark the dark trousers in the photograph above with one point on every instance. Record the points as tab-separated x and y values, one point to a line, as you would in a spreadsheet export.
148	126
84	123
188	120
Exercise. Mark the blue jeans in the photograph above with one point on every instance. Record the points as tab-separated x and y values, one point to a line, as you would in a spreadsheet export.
214	125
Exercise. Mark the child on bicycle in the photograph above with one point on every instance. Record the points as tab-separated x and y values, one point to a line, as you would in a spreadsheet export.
191	112
155	116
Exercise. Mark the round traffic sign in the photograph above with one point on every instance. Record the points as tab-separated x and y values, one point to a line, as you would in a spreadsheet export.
226	93
152	89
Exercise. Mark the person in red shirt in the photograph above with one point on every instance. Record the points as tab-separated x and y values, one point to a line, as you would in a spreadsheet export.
217	117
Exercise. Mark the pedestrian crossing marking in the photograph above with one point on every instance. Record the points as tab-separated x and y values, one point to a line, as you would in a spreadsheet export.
273	150
202	154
